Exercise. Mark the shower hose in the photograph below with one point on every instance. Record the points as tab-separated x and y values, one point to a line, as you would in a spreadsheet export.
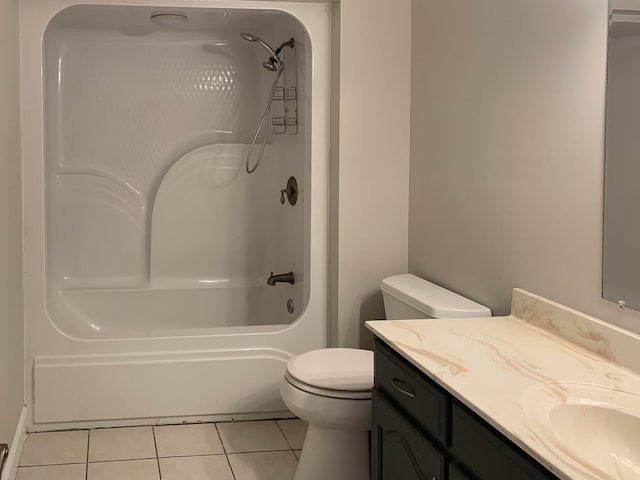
263	125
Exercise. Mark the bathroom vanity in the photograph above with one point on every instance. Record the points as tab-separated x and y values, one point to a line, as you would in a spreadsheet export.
422	432
544	393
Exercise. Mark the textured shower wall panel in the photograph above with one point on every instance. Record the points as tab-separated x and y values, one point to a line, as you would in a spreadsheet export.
212	221
91	209
121	110
132	107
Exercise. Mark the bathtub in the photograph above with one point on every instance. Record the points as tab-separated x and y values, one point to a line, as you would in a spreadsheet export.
147	246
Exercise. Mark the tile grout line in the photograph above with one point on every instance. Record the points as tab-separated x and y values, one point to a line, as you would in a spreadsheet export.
249	452
174	456
86	465
224	449
287	439
155	445
283	434
119	460
52	464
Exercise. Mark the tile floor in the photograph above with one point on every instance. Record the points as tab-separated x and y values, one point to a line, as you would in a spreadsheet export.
260	450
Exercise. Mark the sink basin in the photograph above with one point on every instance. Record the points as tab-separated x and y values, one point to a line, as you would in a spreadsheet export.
595	429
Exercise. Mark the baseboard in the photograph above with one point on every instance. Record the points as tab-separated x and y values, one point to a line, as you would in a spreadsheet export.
15	449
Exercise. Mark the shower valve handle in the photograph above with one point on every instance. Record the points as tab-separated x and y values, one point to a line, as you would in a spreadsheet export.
290	192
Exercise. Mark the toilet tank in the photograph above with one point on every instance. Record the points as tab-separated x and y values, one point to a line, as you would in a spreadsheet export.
407	296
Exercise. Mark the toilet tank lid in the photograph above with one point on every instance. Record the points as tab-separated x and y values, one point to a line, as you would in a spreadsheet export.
432	299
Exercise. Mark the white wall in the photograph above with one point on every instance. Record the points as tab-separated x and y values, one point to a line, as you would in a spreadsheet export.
11	322
373	167
507	145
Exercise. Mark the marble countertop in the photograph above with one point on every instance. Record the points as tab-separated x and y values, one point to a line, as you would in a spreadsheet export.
494	364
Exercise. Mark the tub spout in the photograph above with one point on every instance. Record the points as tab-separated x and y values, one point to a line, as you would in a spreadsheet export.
281	277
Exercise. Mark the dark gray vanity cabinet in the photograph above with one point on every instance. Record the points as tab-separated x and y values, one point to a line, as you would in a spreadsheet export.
401	449
421	432
456	474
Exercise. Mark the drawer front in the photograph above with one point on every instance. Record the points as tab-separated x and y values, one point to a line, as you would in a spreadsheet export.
399	450
456	474
488	454
422	398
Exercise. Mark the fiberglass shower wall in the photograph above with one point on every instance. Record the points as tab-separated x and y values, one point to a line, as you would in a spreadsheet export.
152	223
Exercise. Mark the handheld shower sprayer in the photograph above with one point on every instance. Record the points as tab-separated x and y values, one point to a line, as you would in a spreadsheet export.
249	37
273	64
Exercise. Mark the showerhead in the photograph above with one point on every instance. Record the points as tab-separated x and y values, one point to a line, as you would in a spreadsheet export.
249	37
274	63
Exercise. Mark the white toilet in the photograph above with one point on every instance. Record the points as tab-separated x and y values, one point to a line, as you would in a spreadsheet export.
331	388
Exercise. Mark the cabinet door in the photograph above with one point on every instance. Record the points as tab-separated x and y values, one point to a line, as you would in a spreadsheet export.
488	454
456	474
399	450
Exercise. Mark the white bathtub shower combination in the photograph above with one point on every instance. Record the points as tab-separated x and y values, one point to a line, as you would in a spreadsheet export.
147	244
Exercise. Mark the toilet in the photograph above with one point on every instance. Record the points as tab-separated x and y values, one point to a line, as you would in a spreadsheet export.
331	388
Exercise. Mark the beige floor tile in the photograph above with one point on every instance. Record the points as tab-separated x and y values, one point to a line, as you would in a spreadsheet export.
53	472
53	448
126	470
294	430
213	467
264	465
187	440
121	444
297	453
252	436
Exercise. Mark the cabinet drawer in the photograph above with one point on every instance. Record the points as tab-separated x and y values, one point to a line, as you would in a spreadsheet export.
488	453
399	450
409	387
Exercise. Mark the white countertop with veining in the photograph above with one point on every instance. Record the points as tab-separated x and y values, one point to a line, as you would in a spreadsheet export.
495	365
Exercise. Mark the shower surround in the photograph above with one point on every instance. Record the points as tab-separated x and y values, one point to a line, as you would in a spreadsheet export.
147	246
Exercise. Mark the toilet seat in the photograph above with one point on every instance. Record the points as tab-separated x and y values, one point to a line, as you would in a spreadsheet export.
327	392
333	372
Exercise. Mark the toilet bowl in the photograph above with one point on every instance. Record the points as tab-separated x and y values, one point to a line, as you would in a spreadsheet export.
331	388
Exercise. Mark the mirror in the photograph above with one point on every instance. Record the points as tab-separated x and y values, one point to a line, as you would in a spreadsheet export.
621	242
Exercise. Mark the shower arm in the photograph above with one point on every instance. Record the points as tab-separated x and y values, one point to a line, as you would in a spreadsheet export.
291	43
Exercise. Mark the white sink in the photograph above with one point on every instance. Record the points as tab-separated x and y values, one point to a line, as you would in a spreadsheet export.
594	428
